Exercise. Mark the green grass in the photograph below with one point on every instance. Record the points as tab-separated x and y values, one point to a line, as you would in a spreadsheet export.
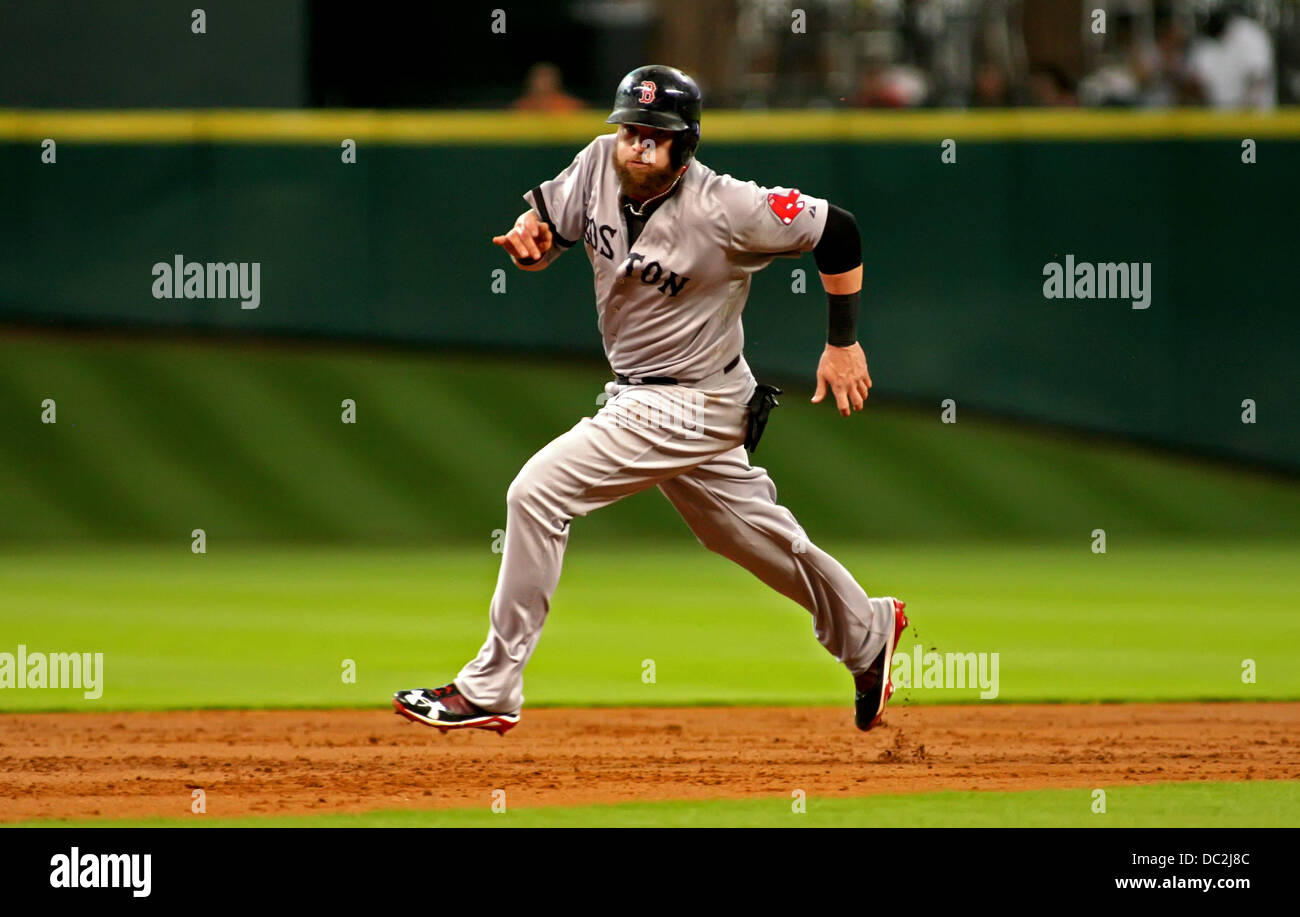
156	438
1168	805
271	626
371	541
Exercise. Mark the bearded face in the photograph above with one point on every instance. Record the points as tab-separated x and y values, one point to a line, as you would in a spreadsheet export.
642	159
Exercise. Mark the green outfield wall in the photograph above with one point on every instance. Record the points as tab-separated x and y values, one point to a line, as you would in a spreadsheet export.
396	246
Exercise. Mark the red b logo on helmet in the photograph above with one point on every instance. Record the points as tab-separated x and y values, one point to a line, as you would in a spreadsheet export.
647	92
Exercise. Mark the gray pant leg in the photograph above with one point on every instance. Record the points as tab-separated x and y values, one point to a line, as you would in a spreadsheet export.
731	507
641	438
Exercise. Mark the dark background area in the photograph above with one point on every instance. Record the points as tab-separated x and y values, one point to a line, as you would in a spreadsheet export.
63	54
443	55
744	53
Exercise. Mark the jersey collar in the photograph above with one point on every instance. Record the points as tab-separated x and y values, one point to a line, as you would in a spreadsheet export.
643	211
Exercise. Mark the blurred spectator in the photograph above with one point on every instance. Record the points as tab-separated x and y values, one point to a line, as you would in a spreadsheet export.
991	87
1049	85
544	91
891	86
1231	65
1121	80
1164	81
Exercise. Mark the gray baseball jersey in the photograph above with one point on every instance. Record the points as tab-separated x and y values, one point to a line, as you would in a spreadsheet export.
671	306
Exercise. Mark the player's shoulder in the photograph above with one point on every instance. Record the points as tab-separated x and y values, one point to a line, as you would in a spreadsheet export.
747	211
600	147
723	188
593	159
589	162
591	156
731	194
724	198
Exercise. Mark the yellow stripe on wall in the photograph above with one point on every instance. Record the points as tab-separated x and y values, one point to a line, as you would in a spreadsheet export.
495	127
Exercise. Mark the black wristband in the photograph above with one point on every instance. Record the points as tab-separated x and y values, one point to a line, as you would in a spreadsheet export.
842	324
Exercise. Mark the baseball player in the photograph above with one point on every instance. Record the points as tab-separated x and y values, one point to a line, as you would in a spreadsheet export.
673	246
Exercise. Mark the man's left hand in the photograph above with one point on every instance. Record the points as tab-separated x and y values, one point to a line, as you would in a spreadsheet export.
844	369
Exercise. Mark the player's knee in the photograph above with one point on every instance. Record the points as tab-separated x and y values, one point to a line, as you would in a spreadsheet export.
519	494
527	495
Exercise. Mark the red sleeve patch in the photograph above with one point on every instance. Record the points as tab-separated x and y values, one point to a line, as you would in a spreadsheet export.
786	206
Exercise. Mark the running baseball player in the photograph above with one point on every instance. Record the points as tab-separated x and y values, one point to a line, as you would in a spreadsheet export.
673	246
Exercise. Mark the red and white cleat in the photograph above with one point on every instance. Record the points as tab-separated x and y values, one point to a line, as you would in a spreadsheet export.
430	707
869	701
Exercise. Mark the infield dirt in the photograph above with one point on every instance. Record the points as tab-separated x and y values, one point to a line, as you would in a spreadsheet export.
282	762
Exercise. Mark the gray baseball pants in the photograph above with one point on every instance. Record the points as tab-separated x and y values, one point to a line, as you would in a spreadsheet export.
687	441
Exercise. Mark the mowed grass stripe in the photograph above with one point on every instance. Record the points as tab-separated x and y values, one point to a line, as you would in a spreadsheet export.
1251	804
268	625
247	442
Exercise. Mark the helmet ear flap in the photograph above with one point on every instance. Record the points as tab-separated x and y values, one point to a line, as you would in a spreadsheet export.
684	145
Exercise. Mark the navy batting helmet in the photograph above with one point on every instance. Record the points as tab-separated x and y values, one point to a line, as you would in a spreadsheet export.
662	97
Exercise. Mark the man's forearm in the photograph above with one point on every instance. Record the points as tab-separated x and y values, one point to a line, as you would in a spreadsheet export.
848	282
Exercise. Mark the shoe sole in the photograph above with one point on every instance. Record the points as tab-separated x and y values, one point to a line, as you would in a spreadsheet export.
900	623
500	723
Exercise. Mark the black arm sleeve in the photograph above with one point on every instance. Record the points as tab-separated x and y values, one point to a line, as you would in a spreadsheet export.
840	247
840	250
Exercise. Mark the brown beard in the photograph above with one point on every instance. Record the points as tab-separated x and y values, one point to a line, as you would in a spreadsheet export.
644	184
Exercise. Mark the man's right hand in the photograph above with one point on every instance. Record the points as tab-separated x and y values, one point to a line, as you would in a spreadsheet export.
530	238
